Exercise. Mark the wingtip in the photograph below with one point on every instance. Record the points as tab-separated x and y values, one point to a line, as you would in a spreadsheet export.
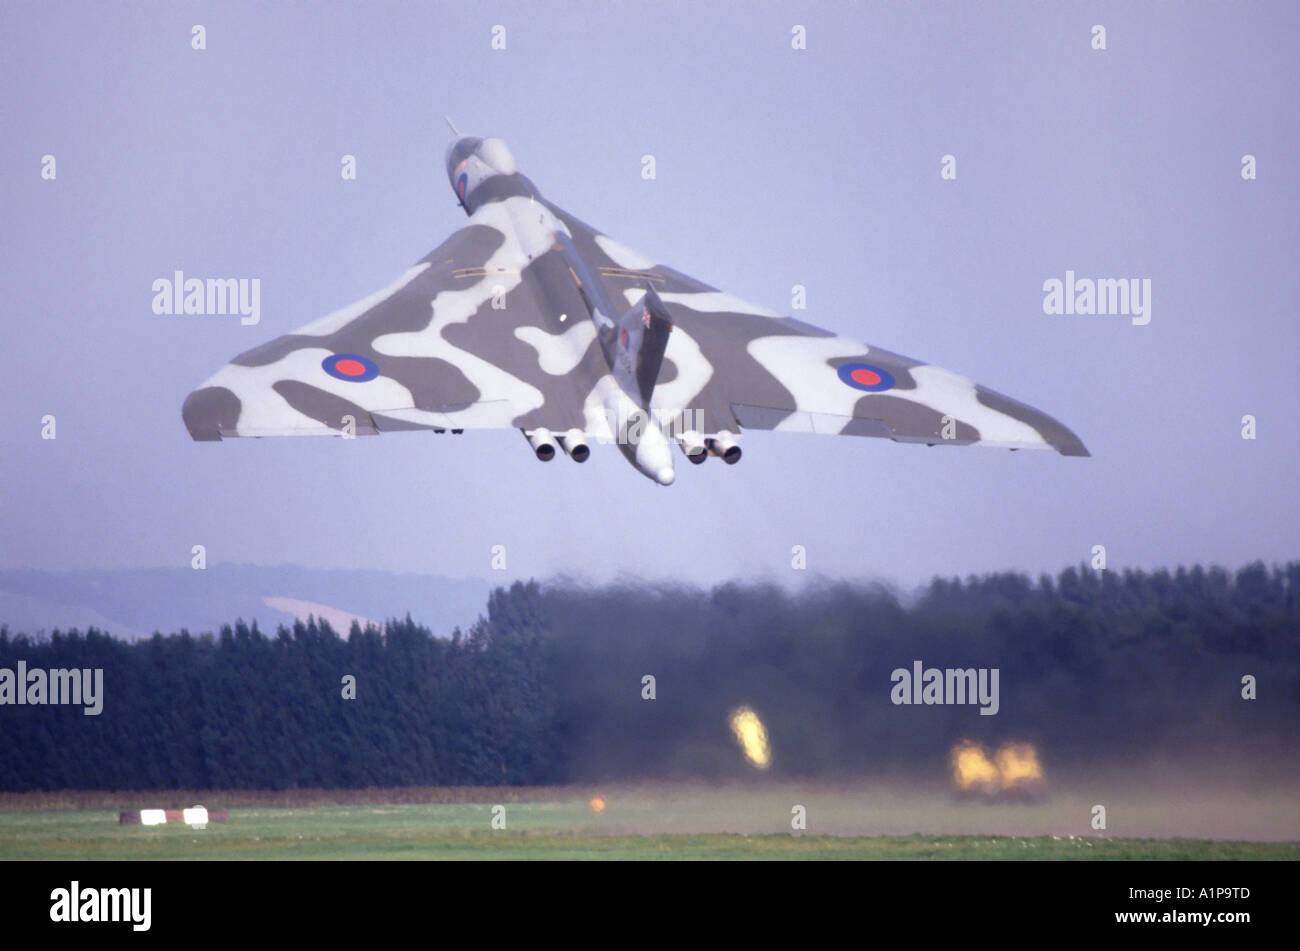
208	411
1068	444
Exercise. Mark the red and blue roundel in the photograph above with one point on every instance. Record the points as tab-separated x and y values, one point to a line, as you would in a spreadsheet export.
863	376
461	181
350	367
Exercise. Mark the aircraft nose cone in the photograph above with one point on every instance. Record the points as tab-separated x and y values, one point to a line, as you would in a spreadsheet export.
665	476
209	410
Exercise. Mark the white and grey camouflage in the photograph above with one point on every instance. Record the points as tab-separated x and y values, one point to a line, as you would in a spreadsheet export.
517	320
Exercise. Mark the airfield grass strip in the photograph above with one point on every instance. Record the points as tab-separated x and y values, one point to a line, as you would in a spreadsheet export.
457	832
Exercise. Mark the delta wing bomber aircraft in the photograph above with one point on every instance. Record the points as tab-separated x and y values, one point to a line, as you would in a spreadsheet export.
528	319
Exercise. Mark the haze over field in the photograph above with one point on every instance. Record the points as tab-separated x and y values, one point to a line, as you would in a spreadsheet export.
135	603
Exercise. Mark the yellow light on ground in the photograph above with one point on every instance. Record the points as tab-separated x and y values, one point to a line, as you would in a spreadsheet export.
1013	771
752	737
971	767
597	804
1018	765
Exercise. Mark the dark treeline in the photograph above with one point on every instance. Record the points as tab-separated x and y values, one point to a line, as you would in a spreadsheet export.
1096	668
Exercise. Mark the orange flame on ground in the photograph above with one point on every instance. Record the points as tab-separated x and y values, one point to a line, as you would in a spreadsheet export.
752	737
971	767
1014	769
1018	765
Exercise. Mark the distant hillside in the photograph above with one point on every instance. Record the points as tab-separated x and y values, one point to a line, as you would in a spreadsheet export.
134	603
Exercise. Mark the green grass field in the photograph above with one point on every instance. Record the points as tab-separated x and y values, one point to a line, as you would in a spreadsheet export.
535	830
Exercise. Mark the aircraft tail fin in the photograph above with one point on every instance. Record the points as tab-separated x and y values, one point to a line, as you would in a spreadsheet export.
643	337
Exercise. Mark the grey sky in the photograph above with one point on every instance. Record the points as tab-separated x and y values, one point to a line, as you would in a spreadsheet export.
775	167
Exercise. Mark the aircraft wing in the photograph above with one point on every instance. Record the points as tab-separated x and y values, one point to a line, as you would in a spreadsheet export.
745	367
480	333
484	332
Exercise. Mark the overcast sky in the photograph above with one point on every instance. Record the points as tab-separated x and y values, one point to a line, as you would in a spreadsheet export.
775	167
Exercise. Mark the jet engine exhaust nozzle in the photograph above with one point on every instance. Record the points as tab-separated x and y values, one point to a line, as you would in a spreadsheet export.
574	443
725	447
543	443
693	446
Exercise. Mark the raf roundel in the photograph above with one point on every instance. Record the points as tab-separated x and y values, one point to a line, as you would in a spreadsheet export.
350	367
863	376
